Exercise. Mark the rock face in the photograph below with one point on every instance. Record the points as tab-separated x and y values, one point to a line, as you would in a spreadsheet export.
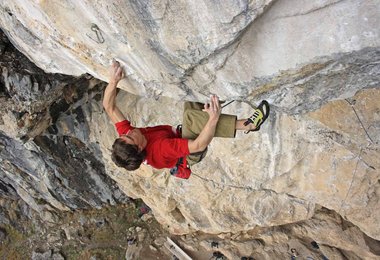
316	62
44	172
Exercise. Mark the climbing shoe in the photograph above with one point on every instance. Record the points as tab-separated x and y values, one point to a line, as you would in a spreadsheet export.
259	116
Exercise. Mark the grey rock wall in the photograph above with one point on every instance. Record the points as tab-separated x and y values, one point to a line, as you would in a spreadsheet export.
188	49
50	173
316	62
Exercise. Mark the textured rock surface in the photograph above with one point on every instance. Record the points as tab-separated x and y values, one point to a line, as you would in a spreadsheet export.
184	48
317	62
44	172
277	242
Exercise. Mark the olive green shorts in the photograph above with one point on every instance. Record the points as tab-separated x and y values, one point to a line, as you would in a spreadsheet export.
194	119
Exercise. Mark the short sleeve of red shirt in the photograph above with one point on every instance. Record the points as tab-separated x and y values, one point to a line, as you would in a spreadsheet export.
123	127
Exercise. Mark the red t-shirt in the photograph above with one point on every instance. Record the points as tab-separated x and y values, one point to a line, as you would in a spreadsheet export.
163	148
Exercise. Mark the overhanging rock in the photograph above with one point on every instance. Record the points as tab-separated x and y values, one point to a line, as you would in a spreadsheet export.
317	63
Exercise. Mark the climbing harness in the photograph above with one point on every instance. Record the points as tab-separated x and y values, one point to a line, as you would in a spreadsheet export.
99	36
181	169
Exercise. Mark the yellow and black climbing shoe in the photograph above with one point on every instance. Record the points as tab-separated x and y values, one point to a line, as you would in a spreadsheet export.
259	116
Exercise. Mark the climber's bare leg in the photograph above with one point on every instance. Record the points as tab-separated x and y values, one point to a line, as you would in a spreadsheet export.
239	125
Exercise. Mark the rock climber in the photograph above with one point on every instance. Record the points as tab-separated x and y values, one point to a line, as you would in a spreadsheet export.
165	146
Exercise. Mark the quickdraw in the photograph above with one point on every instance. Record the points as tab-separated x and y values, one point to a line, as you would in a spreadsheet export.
99	35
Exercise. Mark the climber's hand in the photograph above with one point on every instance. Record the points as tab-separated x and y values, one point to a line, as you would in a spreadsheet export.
109	98
116	72
213	108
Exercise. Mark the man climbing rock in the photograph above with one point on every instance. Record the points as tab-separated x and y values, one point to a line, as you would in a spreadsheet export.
165	146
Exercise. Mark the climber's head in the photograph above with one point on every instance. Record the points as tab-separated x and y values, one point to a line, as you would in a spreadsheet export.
128	150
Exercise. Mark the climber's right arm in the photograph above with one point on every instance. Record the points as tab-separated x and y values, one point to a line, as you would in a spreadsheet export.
204	138
109	100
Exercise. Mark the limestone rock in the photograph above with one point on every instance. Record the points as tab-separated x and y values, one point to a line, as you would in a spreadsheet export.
48	255
301	172
40	186
189	49
316	62
277	242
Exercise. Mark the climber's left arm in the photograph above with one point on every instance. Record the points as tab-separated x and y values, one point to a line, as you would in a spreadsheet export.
109	100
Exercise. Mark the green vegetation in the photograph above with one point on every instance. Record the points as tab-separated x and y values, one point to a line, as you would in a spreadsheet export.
16	244
103	233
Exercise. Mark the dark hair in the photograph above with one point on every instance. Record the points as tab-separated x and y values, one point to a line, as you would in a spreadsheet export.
127	155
